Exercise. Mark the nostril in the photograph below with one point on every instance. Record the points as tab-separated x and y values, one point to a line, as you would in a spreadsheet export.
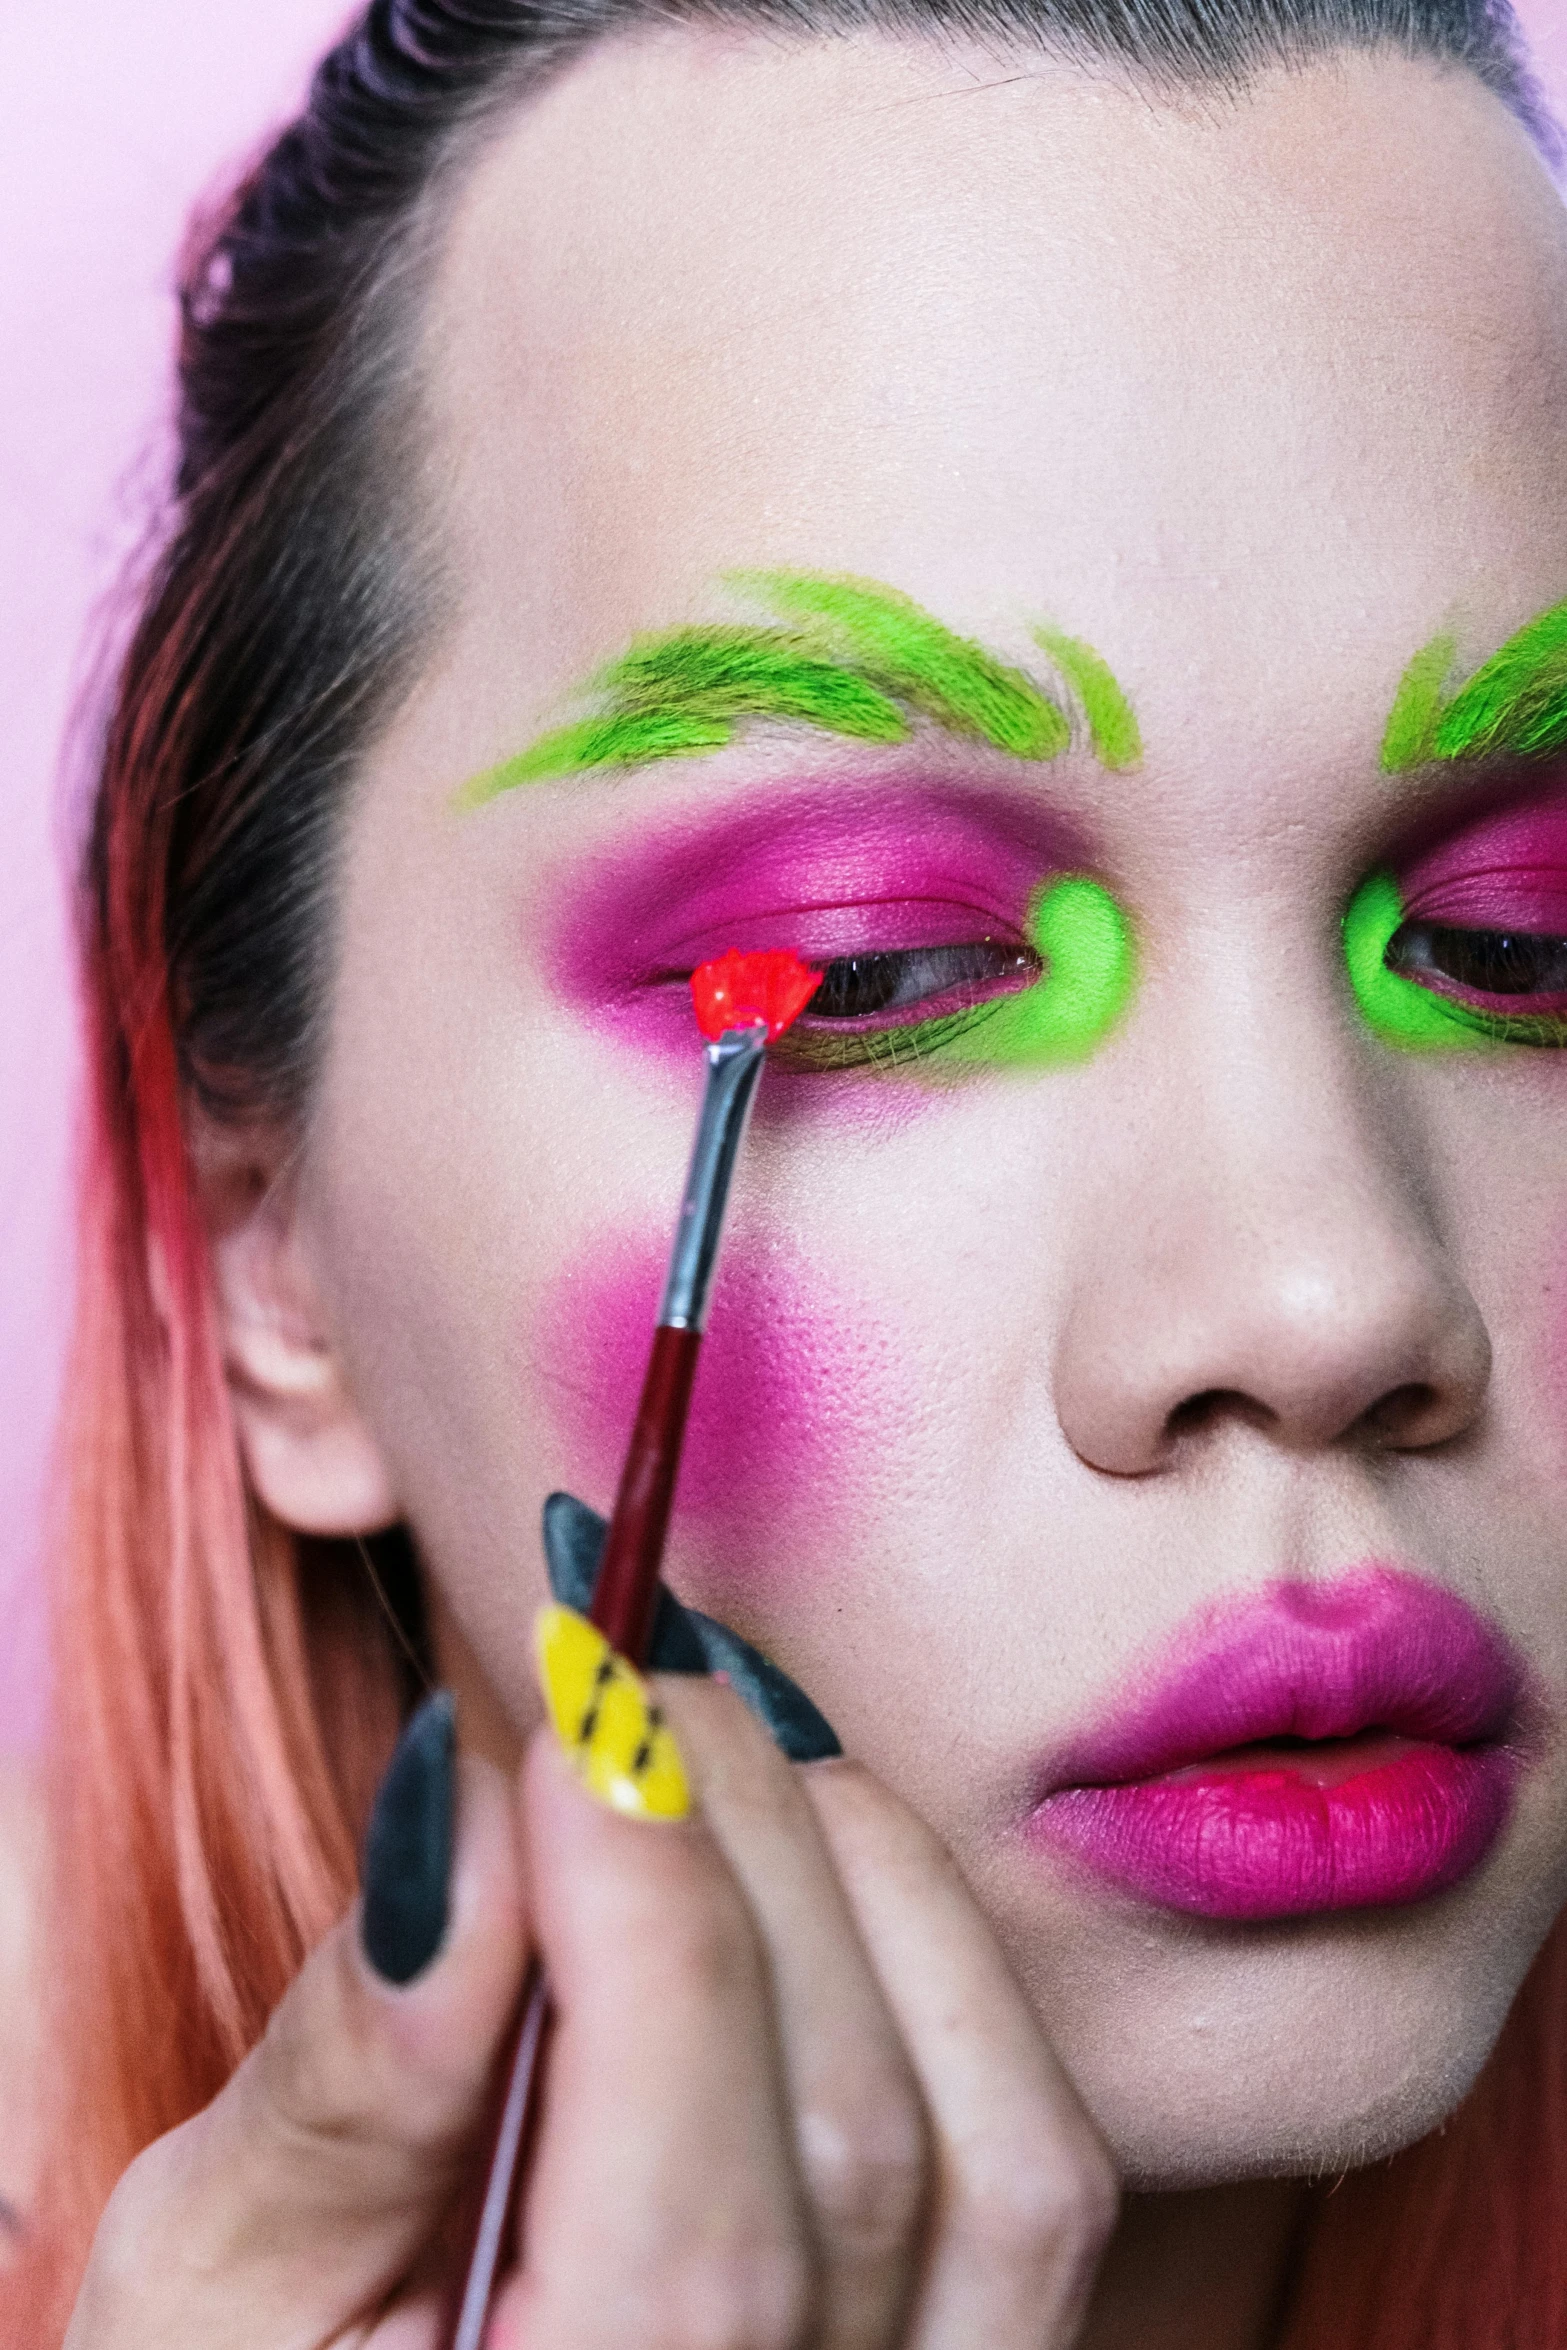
1404	1415
1201	1412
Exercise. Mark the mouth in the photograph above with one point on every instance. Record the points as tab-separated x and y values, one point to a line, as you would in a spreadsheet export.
1311	1748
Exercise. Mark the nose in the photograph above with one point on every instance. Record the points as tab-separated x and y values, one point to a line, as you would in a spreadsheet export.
1273	1255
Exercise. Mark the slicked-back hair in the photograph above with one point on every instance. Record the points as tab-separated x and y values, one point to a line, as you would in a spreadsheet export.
292	599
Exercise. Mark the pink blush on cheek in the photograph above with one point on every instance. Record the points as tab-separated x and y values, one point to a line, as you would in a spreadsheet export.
793	1390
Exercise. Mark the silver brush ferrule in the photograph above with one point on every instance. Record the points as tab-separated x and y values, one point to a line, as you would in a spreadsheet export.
734	1064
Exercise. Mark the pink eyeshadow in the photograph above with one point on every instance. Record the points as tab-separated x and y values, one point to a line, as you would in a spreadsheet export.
850	870
792	1385
1507	872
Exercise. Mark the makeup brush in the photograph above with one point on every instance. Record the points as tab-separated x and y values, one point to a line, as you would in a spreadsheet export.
743	1004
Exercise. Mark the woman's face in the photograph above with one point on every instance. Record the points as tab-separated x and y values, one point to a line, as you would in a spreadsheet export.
1066	1418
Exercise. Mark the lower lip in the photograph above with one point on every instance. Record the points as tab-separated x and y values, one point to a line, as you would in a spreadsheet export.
1357	1823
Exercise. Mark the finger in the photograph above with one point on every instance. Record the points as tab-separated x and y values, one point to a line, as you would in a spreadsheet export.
663	2206
860	2133
295	2202
1025	2195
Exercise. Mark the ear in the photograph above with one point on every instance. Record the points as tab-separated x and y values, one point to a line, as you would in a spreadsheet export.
308	1452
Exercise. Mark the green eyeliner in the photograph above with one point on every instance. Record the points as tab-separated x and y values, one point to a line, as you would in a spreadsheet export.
1084	940
1415	1018
1399	1010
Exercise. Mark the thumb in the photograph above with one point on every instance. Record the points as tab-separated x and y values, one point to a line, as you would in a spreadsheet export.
302	2196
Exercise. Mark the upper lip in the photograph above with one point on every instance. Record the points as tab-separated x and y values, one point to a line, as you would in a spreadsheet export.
1375	1648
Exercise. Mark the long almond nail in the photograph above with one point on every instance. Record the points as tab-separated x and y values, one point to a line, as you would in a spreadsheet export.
616	1739
408	1848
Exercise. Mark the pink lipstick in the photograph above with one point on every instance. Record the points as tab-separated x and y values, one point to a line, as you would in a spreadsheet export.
1313	1747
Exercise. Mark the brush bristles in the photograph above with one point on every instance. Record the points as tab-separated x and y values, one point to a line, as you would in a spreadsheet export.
738	991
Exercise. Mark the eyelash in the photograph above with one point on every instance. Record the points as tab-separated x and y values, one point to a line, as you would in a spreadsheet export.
1477	971
904	1004
852	1021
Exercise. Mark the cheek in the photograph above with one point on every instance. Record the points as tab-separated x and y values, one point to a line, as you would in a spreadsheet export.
794	1396
1556	1332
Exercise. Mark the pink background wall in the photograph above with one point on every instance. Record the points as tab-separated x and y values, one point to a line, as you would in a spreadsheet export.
114	119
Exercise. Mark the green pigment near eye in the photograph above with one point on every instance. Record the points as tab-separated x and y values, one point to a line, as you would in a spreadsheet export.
1517	702
1113	730
1085	942
1399	1010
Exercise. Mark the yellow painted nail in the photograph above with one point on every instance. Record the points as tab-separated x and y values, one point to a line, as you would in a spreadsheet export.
617	1741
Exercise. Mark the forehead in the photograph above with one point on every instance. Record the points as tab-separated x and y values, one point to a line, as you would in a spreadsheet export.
1254	392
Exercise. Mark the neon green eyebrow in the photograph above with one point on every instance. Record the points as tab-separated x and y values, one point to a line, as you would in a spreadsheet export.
1112	728
847	656
1516	702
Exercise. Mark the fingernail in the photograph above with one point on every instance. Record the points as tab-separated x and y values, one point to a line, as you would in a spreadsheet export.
614	1736
408	1850
797	1727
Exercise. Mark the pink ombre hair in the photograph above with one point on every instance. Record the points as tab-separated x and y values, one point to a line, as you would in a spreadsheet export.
227	1692
205	1817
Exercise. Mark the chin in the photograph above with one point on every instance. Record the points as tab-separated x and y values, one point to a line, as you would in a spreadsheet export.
1209	2054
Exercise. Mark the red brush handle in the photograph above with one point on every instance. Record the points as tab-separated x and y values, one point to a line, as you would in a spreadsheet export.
624	1598
627	1588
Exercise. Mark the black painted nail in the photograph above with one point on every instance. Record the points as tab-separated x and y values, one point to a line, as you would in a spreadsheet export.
574	1538
685	1641
797	1728
408	1850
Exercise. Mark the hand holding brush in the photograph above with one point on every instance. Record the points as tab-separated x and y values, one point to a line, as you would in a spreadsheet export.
761	2126
743	1003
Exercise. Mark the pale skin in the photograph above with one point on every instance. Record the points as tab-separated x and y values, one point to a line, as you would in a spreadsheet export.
1254	397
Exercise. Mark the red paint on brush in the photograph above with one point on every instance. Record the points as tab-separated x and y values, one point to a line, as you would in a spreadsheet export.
737	991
